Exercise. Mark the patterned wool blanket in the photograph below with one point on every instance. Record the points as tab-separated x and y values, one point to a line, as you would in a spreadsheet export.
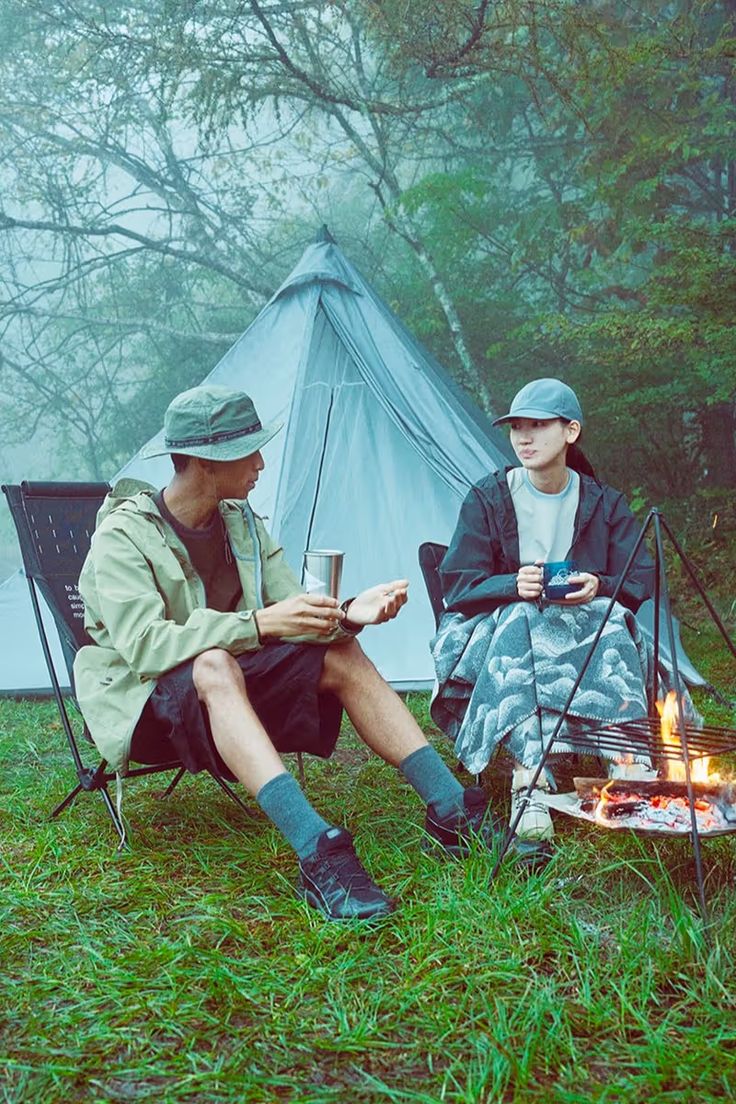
504	677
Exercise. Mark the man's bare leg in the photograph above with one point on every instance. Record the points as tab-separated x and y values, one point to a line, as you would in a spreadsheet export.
331	876
245	747
377	712
239	736
385	724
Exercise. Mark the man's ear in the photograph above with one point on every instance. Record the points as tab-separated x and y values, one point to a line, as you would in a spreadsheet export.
207	467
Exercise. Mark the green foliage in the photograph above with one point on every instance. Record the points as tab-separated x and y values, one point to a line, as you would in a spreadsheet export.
590	220
537	189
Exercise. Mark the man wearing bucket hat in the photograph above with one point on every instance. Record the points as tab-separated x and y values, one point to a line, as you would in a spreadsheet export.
205	647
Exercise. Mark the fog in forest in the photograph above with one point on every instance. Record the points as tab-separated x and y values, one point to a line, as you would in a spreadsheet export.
561	202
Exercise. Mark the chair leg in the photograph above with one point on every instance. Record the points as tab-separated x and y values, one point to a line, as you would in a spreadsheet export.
113	814
234	797
300	766
108	804
174	782
66	802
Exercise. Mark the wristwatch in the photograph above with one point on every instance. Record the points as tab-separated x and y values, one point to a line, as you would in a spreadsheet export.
349	626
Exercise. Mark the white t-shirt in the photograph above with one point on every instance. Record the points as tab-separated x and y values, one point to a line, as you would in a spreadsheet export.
546	522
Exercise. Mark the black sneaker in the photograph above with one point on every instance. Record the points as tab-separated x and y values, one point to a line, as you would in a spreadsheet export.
333	880
456	833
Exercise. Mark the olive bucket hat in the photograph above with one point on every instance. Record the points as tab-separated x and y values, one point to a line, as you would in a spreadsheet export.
213	423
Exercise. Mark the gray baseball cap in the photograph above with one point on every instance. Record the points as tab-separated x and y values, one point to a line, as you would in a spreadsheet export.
544	398
213	423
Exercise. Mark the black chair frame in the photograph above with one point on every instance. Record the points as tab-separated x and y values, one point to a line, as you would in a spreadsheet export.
430	558
54	523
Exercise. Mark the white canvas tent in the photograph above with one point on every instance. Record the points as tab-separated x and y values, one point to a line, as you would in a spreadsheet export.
378	450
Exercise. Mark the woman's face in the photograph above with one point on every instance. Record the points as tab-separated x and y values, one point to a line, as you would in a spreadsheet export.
542	444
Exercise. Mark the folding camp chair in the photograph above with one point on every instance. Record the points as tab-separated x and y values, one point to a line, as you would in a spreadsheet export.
55	522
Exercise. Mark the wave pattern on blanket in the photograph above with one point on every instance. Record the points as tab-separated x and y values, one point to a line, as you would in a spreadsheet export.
505	676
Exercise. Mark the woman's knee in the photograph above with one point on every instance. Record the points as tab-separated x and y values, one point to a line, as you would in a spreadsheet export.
215	670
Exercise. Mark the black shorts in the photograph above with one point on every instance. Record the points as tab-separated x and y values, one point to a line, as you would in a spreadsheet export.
281	680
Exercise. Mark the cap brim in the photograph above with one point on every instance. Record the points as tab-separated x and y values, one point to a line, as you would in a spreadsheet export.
236	449
541	415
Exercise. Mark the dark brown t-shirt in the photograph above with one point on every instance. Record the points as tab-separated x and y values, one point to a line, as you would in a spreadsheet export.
211	557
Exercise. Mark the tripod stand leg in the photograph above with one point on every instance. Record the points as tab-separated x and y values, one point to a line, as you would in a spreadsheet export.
565	709
679	690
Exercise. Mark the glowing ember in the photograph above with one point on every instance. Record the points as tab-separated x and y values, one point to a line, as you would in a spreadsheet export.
624	807
651	805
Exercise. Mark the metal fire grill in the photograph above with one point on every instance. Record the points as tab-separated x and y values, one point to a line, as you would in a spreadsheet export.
643	737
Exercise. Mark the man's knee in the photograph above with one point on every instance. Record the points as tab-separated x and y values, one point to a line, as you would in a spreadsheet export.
215	670
343	661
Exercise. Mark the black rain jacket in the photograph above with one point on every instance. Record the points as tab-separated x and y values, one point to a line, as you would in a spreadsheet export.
479	570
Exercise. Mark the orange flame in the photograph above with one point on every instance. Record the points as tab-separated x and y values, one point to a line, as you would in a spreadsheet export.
669	731
604	799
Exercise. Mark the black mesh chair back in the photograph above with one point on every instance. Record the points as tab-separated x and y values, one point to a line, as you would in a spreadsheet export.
430	558
58	520
55	523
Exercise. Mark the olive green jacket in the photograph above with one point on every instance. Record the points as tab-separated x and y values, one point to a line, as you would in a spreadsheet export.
145	608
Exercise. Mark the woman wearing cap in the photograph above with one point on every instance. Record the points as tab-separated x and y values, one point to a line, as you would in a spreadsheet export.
506	656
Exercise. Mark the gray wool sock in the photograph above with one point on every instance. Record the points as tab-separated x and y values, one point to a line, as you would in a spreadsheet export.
433	780
286	806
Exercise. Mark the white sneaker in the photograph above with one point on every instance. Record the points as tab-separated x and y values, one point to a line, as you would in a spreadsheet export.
536	821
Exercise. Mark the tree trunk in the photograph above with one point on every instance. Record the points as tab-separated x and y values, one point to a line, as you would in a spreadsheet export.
470	377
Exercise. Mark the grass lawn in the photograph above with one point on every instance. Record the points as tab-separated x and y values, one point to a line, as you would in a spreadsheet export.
185	970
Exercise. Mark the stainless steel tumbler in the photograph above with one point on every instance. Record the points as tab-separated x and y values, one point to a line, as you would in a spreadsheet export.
322	571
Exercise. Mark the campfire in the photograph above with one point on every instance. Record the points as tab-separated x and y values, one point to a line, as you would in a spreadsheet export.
658	804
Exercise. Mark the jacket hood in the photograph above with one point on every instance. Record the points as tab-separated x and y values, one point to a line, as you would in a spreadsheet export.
134	492
137	495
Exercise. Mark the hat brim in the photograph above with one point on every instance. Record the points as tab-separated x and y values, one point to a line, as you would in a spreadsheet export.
236	449
528	412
